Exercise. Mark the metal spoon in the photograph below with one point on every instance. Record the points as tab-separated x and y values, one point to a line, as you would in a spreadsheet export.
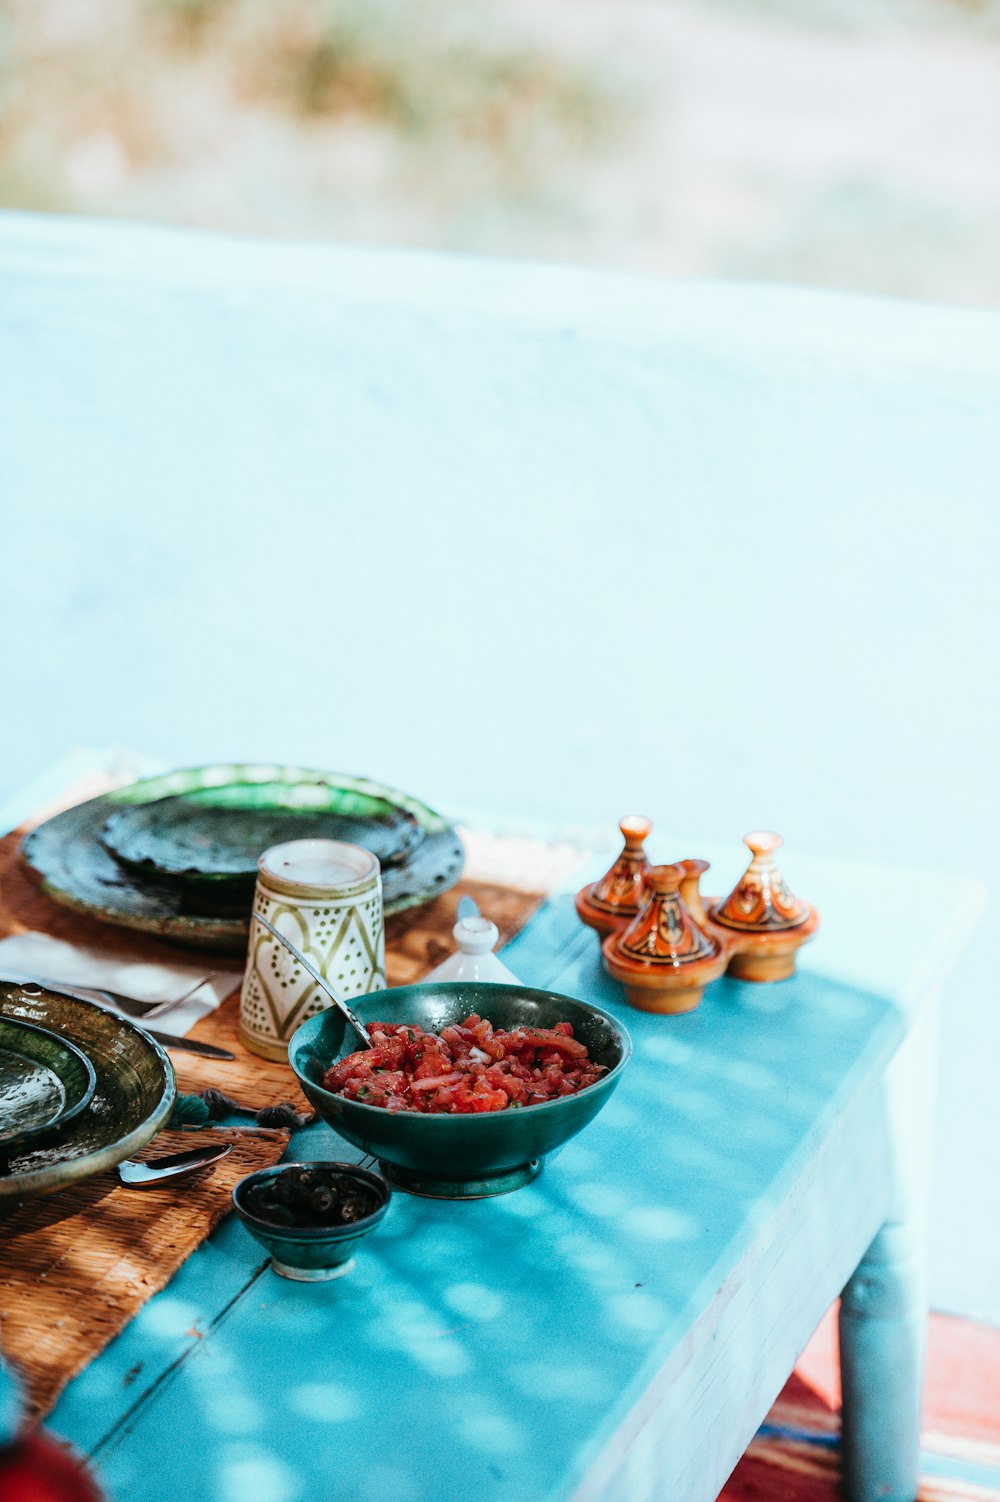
324	985
135	1175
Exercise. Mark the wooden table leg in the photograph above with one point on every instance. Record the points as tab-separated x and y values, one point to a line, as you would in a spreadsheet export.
883	1310
882	1323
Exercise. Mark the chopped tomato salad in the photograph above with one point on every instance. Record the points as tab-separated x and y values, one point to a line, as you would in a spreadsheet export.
467	1067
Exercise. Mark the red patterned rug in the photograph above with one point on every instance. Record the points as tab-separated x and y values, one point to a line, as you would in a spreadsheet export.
795	1455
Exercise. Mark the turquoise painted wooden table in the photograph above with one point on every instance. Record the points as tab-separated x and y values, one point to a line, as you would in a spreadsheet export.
618	1329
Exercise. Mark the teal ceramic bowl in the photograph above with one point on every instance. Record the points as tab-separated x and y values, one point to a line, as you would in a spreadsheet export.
461	1156
311	1254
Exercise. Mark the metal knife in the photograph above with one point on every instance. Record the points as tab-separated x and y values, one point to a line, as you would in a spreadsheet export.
187	1045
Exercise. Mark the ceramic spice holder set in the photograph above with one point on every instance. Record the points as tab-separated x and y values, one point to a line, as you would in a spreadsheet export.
664	942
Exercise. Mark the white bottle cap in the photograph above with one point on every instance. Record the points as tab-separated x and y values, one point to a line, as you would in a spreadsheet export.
475	935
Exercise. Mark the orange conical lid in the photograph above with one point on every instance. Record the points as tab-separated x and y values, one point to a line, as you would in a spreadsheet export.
760	902
621	890
665	933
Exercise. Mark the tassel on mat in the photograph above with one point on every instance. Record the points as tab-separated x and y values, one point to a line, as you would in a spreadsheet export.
212	1105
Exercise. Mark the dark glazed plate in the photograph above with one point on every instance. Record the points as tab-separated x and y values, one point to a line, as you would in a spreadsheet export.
460	1157
67	856
214	838
133	1094
45	1082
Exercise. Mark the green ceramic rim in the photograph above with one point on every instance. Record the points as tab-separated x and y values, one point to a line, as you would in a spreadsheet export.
194	779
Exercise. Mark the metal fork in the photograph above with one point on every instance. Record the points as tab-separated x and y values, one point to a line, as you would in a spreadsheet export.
130	1005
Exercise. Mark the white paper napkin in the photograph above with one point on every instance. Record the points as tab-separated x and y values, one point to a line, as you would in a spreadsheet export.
195	989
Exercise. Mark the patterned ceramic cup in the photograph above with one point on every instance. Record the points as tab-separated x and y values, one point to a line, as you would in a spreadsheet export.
327	897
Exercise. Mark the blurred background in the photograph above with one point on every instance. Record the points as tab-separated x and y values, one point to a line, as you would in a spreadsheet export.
842	143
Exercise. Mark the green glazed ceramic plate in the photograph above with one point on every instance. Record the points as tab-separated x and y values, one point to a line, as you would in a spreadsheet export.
45	1082
68	858
211	840
133	1094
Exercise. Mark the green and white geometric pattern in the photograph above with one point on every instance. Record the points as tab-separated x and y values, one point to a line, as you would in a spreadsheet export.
345	940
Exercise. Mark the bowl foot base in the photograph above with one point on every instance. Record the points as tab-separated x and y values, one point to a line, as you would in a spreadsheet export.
414	1181
311	1274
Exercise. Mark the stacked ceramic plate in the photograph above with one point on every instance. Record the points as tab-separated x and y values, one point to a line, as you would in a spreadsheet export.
177	855
81	1089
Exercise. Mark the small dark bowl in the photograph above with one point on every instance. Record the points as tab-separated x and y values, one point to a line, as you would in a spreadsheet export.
311	1254
460	1156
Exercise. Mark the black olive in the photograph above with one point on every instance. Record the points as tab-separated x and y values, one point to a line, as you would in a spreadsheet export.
282	1189
280	1215
312	1197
